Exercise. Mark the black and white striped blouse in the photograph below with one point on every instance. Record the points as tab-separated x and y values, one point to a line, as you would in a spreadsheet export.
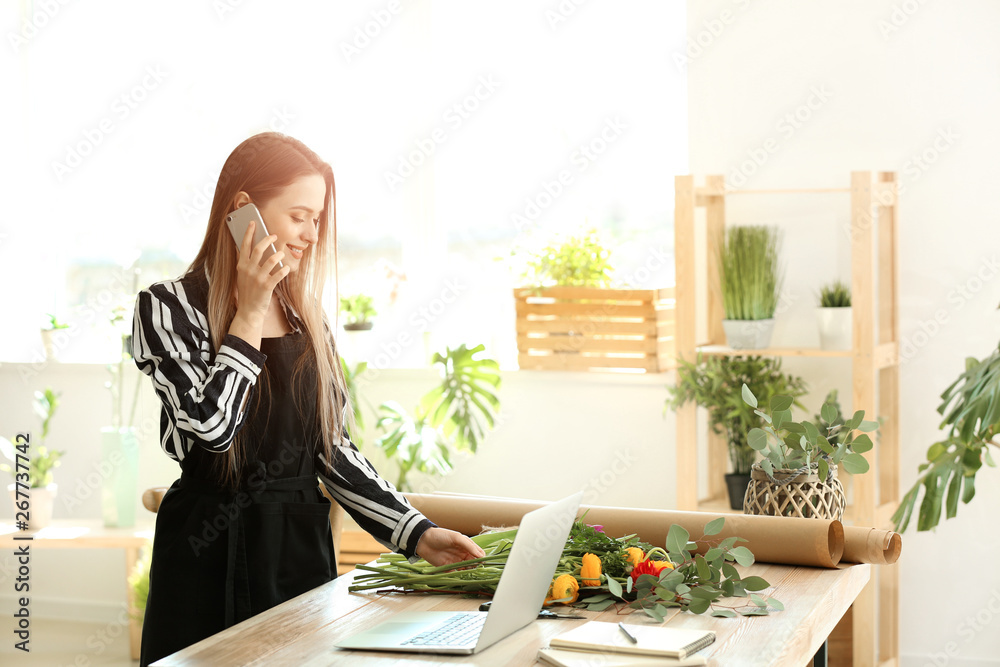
203	398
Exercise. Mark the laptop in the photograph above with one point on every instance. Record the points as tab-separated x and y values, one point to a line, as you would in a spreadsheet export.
520	593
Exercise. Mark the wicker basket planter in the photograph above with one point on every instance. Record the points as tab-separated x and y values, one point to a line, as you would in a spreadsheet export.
586	328
795	493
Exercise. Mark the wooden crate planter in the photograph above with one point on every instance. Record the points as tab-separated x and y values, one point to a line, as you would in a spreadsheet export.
586	328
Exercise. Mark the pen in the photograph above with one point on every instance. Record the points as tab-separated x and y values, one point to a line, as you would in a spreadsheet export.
628	634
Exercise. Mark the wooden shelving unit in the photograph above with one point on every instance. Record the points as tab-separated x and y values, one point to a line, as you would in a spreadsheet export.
872	626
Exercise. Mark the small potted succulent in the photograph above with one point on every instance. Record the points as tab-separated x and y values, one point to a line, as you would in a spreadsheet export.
750	281
359	309
50	334
713	383
834	317
41	461
797	474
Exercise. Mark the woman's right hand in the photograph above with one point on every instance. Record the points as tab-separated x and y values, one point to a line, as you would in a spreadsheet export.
255	283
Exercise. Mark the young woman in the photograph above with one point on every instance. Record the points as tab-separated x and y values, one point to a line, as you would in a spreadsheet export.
254	402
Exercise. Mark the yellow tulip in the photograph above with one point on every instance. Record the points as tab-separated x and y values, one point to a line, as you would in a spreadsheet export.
590	571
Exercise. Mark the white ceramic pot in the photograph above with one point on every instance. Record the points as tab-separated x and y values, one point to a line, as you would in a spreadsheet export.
41	503
748	334
49	343
836	330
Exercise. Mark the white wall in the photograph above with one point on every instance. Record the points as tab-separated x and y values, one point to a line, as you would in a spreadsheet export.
906	86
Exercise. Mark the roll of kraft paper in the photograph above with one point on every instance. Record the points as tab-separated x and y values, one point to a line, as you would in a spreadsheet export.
871	545
785	540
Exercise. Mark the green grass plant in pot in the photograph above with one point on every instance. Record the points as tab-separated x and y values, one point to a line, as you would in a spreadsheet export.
797	474
750	280
41	461
714	383
836	330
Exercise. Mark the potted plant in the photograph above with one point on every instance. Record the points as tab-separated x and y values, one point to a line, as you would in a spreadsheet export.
836	330
359	309
797	474
750	282
119	441
714	382
570	318
50	339
454	416
41	461
970	408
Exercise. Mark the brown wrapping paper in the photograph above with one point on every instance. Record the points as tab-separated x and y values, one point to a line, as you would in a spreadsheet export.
785	540
871	545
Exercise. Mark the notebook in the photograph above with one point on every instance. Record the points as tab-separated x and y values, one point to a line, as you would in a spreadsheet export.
652	640
566	658
520	593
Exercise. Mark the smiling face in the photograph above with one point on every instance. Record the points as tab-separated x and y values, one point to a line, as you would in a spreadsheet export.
293	215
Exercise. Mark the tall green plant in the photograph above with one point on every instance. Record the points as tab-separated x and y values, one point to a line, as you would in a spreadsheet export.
715	383
454	416
355	430
971	410
749	273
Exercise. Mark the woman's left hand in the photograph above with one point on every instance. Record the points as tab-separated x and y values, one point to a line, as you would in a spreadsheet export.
440	546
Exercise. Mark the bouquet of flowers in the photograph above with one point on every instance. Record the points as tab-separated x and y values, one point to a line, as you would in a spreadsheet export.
597	571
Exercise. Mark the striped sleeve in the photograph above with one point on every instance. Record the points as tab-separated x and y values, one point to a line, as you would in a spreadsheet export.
372	501
202	396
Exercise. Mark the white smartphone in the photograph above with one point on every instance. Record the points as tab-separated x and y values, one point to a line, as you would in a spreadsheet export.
239	220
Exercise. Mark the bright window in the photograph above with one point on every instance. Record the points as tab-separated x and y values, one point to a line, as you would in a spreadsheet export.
457	131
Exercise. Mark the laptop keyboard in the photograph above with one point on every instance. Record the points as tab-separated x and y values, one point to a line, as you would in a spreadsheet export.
457	630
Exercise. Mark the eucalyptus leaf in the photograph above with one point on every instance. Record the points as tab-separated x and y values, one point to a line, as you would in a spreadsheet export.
714	526
862	444
855	464
704	571
753	611
748	397
824	470
758	600
743	556
828	412
855	421
755	583
614	587
712	554
699	606
677	539
757	439
775	604
600	606
779	403
724	613
867	426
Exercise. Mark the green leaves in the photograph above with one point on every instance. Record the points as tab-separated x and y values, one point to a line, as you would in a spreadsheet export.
743	556
748	397
757	439
454	416
855	464
677	539
714	526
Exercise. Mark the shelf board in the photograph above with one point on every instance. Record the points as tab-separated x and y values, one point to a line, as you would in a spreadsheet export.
724	350
719	505
715	192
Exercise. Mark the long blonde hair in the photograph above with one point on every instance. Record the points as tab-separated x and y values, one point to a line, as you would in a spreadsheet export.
262	166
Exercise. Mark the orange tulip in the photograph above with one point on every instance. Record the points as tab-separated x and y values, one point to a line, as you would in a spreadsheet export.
590	571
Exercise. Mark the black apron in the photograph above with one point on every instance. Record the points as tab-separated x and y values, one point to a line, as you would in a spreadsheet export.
222	556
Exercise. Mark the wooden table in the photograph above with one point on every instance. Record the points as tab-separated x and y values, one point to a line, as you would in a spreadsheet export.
302	631
91	534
